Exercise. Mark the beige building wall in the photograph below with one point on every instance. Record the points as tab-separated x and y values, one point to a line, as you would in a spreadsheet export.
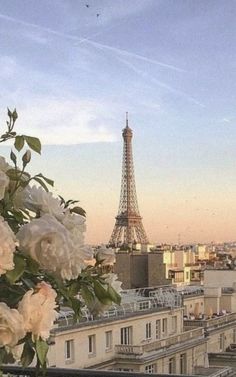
79	335
179	258
183	257
219	278
194	304
221	339
202	252
156	270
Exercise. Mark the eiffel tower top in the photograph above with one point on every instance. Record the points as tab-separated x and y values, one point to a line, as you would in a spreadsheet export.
127	132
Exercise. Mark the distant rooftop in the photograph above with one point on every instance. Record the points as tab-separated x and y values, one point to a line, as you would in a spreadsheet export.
134	302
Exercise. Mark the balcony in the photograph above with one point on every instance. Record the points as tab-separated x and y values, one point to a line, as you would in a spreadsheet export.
159	345
59	372
212	323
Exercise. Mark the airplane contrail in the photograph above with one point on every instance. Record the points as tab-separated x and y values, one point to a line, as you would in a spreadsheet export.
91	42
161	83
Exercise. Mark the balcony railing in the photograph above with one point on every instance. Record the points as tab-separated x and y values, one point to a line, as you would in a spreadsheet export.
160	344
59	372
211	323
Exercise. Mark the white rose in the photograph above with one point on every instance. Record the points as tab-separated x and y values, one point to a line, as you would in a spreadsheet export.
75	224
7	247
38	310
11	326
4	166
106	255
112	279
95	306
49	242
38	200
4	180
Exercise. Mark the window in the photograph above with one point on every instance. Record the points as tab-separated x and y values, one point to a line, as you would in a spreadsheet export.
148	330
158	329
164	326
222	341
179	277
92	344
108	335
174	324
126	335
144	305
69	350
172	365
150	368
183	363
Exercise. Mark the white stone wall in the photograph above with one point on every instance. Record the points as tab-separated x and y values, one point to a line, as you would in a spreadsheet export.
82	359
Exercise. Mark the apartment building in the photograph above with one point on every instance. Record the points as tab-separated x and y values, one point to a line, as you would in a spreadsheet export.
145	334
172	330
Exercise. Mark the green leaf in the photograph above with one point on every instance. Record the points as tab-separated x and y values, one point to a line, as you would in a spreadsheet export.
41	183
49	181
78	211
76	306
73	288
19	143
13	174
9	113
34	143
101	293
27	355
116	298
19	269
3	355
87	295
32	265
62	199
41	350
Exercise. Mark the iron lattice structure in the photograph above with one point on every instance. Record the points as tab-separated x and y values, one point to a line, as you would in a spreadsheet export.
128	229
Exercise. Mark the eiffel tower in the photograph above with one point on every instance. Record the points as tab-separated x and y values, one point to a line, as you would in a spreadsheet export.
128	229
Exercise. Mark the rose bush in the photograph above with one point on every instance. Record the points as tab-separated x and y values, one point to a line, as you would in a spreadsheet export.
44	263
11	326
7	247
105	255
38	310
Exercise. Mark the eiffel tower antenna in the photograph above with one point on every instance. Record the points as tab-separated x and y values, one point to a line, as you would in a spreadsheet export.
128	229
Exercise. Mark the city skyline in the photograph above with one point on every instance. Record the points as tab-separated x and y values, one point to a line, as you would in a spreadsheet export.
72	75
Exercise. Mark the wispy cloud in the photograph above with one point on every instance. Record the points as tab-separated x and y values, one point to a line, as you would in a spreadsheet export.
7	66
67	121
227	120
89	41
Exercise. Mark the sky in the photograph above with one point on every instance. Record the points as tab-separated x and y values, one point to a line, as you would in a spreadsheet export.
73	68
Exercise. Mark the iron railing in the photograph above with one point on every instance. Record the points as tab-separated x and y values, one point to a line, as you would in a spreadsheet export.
62	372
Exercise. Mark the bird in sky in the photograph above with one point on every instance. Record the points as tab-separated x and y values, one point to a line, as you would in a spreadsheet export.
87	5
98	14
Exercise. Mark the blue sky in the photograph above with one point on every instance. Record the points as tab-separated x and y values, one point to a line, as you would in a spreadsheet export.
171	65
